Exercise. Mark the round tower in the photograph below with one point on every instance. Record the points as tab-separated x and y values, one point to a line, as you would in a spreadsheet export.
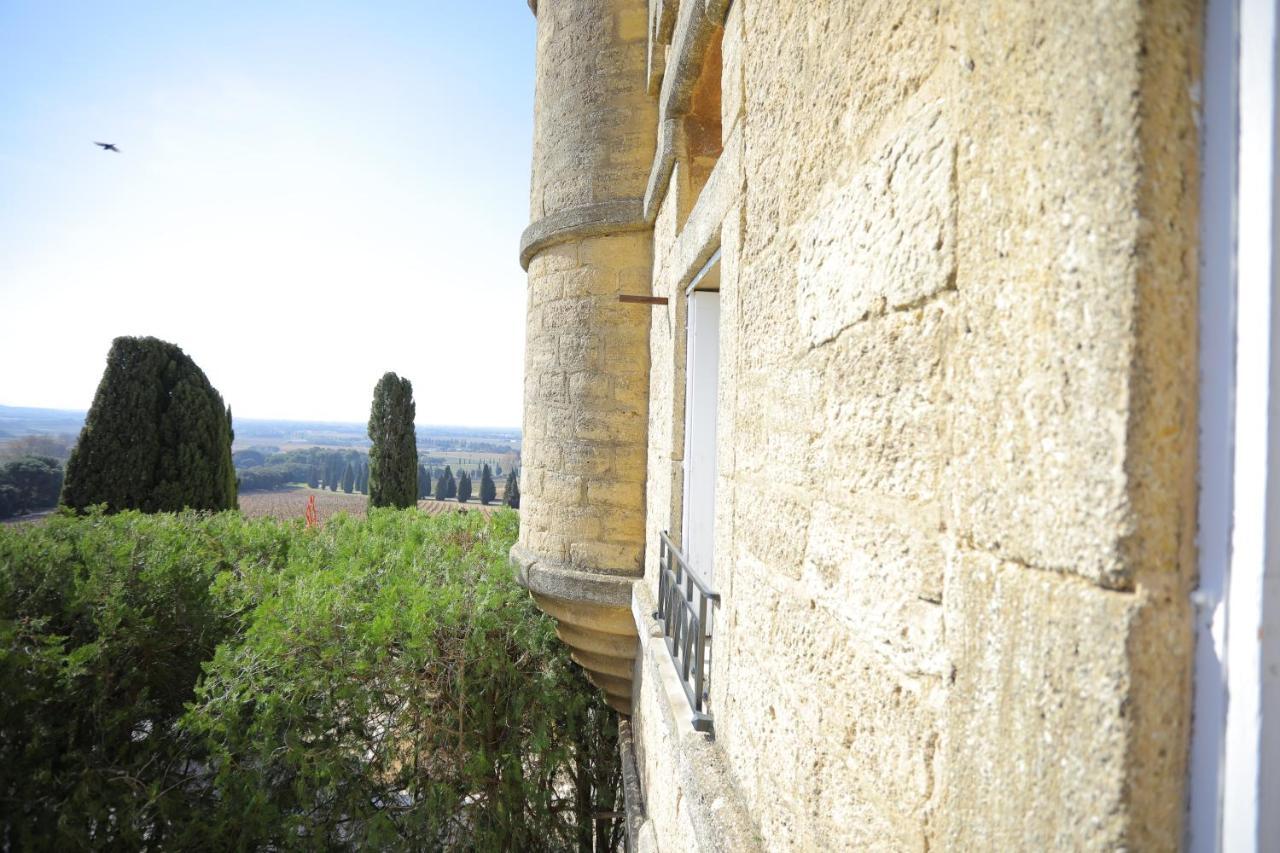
587	355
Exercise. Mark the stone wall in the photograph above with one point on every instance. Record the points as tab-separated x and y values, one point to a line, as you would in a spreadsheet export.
586	354
955	526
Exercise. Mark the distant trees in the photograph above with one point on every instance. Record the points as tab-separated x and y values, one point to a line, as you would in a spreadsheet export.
333	471
31	482
464	488
55	447
349	479
424	483
362	476
511	495
157	438
393	456
488	491
450	484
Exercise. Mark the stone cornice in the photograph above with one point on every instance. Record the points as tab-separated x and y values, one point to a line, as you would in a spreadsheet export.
587	220
566	582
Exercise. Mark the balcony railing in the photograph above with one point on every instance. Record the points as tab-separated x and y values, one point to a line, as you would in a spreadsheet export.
684	609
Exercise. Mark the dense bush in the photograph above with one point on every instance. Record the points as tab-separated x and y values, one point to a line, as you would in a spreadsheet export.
31	482
104	625
378	683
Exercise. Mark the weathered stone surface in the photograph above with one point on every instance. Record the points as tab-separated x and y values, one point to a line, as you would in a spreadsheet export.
586	358
954	517
885	237
1039	710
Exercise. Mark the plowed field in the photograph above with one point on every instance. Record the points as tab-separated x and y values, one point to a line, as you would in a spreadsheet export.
292	503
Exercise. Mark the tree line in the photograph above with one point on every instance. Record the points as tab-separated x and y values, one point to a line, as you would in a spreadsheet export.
158	438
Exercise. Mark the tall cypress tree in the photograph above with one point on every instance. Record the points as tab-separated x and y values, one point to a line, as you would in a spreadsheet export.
349	478
424	483
157	438
450	484
464	488
511	496
442	486
488	491
393	457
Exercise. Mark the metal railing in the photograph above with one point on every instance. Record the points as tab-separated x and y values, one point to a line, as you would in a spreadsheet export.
686	626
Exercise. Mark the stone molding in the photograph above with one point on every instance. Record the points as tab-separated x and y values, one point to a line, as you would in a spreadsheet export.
567	582
587	220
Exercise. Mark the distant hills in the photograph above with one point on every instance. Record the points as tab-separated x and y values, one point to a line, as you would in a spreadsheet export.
17	421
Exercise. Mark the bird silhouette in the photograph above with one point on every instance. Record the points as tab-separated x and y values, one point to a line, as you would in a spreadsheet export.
107	146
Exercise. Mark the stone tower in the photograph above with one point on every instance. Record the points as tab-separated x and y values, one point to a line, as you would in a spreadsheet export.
586	354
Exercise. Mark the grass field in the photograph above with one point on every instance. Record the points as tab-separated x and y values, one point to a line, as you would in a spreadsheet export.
292	503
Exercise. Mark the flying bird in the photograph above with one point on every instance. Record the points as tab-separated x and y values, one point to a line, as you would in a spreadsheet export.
107	146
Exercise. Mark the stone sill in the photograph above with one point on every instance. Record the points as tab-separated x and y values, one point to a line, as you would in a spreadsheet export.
719	816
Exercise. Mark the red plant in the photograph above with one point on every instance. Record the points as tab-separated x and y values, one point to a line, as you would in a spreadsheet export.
313	515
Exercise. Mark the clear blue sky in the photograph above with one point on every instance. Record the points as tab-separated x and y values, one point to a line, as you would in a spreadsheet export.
307	195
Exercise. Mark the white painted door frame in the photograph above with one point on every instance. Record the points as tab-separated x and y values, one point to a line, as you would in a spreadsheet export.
1235	752
701	389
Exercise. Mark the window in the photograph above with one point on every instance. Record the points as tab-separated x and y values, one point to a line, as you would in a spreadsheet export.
686	597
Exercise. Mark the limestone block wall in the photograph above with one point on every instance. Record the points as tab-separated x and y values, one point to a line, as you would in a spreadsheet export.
586	354
955	508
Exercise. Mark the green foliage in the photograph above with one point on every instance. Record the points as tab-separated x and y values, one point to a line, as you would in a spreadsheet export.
157	437
104	625
424	483
464	487
373	684
511	496
393	456
30	482
450	485
488	491
349	479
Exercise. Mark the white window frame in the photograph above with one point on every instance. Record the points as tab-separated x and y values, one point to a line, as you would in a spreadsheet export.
1234	790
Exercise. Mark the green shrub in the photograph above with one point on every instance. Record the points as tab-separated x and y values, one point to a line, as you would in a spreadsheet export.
104	626
378	683
29	482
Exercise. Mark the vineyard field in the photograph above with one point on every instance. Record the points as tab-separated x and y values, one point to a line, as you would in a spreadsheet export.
292	503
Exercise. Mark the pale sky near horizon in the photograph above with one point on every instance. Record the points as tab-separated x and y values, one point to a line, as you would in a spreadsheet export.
306	195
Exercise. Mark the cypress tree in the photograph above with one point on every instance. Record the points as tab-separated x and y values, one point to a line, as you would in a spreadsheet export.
442	487
450	484
393	457
511	496
464	488
157	437
424	483
313	478
488	491
362	476
349	478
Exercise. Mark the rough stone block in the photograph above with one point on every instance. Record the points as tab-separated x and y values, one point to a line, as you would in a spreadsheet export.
880	577
1040	706
886	236
883	404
